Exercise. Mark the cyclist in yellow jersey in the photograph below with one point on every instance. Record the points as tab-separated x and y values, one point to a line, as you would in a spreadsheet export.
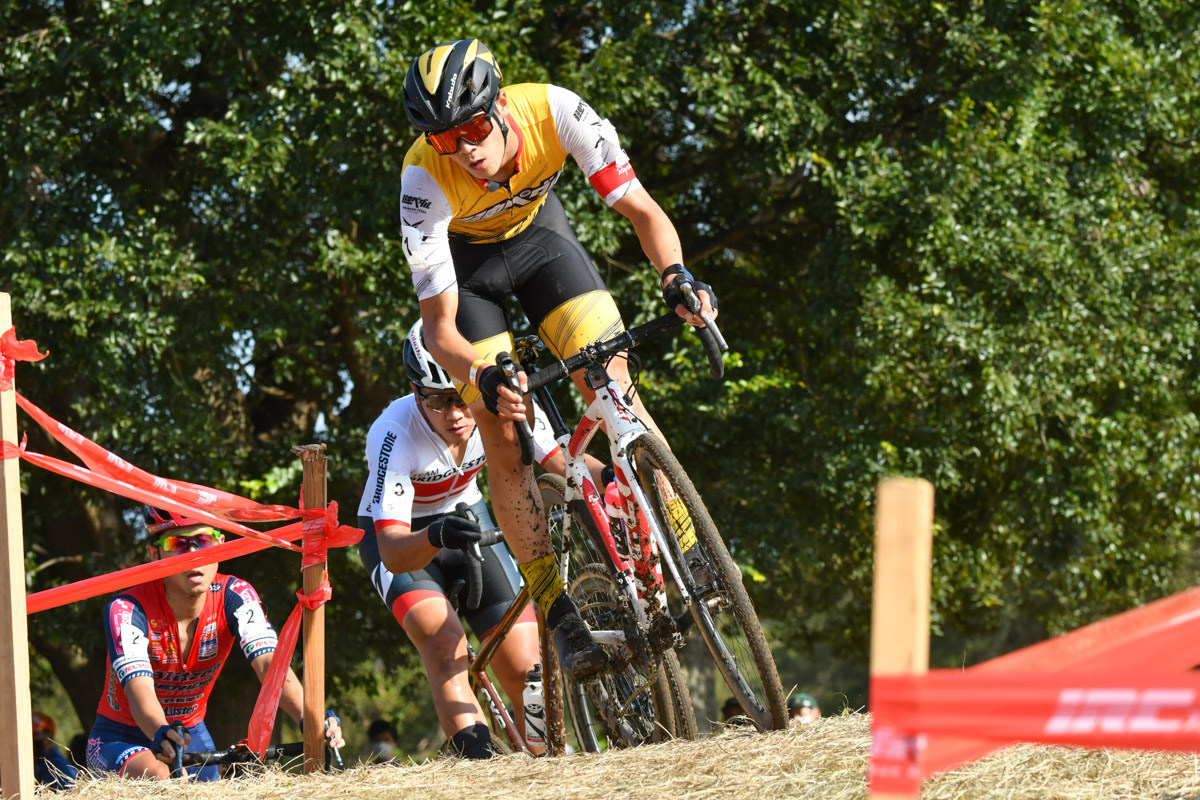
480	224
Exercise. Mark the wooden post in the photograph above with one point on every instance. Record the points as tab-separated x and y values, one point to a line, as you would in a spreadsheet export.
900	600
16	711
312	457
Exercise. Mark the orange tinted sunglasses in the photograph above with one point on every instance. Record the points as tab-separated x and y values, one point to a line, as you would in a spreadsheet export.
474	131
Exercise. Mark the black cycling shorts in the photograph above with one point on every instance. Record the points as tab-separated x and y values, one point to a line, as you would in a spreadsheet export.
501	580
551	275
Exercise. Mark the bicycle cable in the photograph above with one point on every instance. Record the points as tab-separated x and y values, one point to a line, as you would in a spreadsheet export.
635	372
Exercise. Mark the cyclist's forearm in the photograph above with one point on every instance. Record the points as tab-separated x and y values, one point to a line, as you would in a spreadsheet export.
405	550
144	706
291	700
655	231
448	347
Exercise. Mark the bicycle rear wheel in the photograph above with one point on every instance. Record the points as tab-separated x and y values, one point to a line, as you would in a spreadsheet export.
721	607
636	700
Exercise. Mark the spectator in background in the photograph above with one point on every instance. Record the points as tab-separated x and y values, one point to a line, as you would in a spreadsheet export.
802	709
382	740
732	713
50	766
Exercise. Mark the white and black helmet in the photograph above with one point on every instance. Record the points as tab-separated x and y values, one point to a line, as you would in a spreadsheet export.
419	364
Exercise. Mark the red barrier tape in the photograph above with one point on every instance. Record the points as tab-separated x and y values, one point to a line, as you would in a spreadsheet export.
142	573
322	531
13	350
76	472
1154	640
102	461
262	721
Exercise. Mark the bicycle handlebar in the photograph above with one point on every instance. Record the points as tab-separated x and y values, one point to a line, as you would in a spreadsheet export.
524	432
177	762
589	354
474	555
241	754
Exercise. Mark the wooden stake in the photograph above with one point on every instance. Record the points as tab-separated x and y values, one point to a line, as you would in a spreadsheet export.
16	711
900	600
312	457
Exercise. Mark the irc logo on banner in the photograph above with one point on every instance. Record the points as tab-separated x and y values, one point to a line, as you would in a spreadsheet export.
1125	711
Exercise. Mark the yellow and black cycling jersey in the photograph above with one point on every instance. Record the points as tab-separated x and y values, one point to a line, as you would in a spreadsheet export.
439	199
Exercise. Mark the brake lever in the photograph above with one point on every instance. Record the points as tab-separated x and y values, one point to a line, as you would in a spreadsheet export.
524	432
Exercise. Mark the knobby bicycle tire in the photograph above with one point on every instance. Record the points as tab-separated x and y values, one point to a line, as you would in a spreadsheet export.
724	614
590	583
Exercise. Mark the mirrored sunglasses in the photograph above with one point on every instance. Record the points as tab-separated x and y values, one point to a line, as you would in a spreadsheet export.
439	403
183	543
473	131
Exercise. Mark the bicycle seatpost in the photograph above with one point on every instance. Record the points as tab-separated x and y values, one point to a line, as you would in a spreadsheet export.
524	432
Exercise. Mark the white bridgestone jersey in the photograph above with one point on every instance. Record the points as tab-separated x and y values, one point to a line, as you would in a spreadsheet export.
412	472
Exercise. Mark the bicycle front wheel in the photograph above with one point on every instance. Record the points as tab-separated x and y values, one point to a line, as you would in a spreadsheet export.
720	606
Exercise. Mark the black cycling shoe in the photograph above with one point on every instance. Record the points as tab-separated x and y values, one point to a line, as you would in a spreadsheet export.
578	654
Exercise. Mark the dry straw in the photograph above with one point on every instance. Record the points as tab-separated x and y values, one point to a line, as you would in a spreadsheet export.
825	760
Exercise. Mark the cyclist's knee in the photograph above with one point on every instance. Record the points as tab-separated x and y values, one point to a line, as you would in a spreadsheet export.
145	765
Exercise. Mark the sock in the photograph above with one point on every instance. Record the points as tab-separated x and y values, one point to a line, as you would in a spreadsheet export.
473	741
545	583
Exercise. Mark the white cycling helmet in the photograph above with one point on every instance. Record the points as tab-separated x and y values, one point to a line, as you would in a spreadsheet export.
419	364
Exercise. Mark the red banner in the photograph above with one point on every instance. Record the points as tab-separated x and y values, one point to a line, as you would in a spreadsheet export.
1073	689
1090	710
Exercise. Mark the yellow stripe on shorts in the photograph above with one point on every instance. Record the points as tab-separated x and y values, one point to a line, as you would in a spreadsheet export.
580	320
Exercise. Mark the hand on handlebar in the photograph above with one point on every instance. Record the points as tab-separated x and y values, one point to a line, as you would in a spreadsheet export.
165	741
676	275
454	531
333	730
498	397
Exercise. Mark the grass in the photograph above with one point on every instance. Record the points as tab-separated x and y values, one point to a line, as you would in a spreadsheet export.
826	760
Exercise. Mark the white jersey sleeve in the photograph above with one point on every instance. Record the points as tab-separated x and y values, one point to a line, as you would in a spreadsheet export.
592	141
388	495
425	217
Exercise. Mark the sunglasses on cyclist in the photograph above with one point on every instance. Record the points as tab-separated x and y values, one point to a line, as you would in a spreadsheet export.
474	131
440	403
186	542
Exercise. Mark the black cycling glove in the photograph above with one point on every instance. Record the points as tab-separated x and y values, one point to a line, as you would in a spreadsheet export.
454	531
489	380
160	736
671	293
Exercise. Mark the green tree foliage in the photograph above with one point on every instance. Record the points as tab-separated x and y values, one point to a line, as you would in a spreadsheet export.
955	240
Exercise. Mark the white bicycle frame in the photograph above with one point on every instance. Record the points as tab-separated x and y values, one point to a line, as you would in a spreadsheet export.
623	428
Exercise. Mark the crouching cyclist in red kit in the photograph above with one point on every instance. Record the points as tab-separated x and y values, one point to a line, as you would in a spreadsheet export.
167	642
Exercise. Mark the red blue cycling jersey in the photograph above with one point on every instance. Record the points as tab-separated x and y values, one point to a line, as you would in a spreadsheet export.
143	640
